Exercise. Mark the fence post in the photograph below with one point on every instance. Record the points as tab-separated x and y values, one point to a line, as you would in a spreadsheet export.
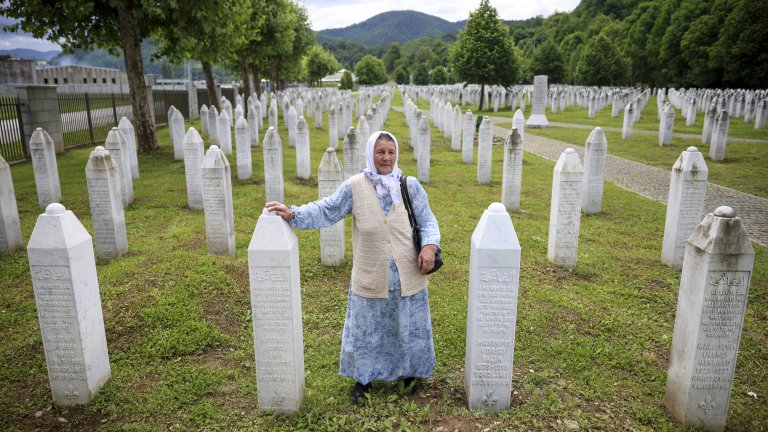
88	113
39	108
21	129
114	108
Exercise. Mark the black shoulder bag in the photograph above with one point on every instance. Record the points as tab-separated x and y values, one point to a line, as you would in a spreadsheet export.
416	233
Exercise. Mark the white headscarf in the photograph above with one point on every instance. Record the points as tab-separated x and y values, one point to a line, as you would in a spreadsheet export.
386	184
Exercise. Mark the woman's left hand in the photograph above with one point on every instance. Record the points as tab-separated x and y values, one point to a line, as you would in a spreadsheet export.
427	258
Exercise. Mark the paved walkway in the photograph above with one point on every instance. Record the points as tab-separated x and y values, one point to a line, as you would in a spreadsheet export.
650	132
653	183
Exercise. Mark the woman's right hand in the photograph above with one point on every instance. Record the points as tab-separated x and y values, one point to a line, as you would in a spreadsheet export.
281	209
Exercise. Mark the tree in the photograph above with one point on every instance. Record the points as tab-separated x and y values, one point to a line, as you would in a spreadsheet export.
209	32
421	74
438	75
319	63
111	25
548	60
370	71
401	76
484	53
601	64
391	56
346	83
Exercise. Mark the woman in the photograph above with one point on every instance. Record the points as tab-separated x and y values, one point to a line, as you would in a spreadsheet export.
387	330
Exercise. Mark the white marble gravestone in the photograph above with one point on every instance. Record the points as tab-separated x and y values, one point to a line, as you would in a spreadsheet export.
303	158
340	122
225	132
329	177
129	133
363	133
484	151
595	152
10	226
518	121
226	108
213	125
719	136
217	202
709	123
318	115
272	115
204	119
243	149
468	138
290	119
711	304
333	137
253	125
666	125
273	166
685	203
107	212
43	155
177	134
424	149
117	146
193	159
456	128
351	153
273	268
626	126
512	180
538	118
63	270
494	271
565	210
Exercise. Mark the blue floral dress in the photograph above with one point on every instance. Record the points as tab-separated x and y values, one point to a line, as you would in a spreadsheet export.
384	339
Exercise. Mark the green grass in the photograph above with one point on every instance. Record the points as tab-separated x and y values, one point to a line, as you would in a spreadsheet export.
592	344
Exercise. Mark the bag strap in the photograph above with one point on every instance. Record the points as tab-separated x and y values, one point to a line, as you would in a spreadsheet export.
407	201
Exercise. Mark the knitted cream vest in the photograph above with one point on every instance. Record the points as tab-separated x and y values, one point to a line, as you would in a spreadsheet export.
376	237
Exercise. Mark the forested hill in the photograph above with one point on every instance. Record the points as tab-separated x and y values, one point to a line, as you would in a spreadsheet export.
394	26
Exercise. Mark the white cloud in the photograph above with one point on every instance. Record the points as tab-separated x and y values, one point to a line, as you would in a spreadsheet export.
326	14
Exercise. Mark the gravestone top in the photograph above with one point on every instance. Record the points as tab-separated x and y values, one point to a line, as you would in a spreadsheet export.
497	208
692	149
55	209
725	212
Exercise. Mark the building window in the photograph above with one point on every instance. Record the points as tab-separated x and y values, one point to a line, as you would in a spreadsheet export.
103	80
45	80
66	80
94	80
85	80
113	81
55	80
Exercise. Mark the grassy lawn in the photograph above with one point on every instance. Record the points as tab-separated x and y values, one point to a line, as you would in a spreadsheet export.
592	344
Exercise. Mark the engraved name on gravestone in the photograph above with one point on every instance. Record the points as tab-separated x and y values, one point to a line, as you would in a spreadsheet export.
565	210
538	118
217	203
494	270
273	166
126	127
10	226
329	177
711	303
595	152
512	180
685	203
273	268
193	159
106	204
63	271
43	154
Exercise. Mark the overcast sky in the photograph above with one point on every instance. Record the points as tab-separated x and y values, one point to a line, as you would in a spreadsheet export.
326	14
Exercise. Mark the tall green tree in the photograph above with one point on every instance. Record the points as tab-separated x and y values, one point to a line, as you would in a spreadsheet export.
346	82
601	64
370	71
319	63
548	60
107	24
741	46
401	76
421	74
392	55
484	53
210	32
438	75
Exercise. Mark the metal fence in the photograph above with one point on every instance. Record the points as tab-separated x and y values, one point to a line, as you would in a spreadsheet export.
11	129
87	118
163	99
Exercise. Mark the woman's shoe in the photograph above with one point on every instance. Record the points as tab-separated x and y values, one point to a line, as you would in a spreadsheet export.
358	392
412	385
